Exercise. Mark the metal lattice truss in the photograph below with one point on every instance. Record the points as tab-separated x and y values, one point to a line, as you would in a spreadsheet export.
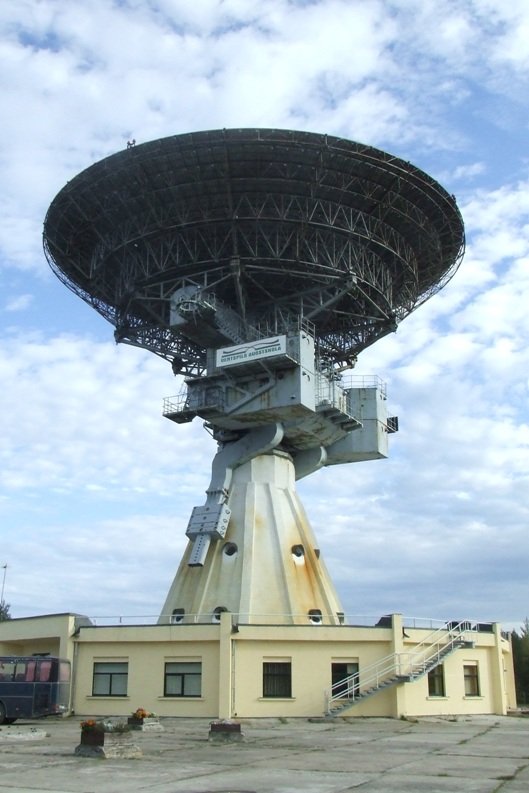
273	225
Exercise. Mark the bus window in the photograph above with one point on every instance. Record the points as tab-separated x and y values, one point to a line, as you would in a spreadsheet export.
7	670
64	672
44	671
20	672
30	671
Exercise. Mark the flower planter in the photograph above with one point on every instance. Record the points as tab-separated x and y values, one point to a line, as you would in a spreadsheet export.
225	726
121	745
92	738
146	724
225	731
107	745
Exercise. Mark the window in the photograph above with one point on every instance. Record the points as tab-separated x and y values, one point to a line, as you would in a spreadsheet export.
436	682
7	670
44	671
183	679
25	671
110	679
177	616
30	671
277	679
340	671
471	675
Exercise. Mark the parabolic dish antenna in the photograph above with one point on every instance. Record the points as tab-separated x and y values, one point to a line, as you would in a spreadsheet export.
247	230
259	262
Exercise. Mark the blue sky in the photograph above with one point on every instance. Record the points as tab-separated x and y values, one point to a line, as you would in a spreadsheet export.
95	486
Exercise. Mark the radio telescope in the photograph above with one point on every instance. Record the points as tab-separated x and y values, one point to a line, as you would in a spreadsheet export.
259	263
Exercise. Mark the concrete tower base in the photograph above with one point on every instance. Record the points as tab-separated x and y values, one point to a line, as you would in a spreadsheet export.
268	568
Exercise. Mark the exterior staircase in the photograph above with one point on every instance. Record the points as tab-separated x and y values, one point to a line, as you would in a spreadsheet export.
399	667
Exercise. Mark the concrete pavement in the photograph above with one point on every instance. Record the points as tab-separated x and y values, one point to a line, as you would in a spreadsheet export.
468	754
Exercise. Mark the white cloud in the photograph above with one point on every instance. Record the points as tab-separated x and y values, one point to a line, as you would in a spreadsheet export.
92	417
466	172
19	303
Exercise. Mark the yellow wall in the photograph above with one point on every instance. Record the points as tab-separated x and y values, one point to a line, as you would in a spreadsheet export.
48	634
311	651
146	649
232	659
417	702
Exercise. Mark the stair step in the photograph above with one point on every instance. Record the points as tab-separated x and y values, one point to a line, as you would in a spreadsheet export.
417	671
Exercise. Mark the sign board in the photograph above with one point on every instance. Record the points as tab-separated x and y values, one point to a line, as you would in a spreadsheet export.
251	351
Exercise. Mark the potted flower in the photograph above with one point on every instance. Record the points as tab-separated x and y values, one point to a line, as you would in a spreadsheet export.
92	733
141	717
106	739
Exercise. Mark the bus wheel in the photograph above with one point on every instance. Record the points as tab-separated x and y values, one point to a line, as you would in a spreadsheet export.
3	717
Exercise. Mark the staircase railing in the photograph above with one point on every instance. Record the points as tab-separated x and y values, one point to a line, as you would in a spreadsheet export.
372	676
399	667
433	648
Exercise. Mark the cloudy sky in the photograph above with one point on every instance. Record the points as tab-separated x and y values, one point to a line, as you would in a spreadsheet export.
96	486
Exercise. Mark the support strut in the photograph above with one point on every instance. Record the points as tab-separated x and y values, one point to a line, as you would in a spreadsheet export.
210	521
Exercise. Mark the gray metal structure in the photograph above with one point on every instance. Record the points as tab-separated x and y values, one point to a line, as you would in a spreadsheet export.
213	238
259	262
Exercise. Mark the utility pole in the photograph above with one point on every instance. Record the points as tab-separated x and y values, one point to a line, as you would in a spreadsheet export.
4	566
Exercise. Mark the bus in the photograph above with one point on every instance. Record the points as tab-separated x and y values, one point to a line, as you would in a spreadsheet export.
33	686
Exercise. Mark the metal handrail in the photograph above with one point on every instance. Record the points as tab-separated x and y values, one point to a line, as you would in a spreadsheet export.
376	673
245	618
175	404
400	664
364	381
456	633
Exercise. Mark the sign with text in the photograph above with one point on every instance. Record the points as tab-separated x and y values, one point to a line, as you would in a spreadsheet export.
251	351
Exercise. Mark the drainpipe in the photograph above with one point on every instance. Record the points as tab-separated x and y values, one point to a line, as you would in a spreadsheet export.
73	682
397	646
69	651
225	666
498	674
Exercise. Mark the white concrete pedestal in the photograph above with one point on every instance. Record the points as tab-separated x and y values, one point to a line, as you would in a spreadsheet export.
268	568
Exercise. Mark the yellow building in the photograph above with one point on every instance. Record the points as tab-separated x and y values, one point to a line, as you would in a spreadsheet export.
226	669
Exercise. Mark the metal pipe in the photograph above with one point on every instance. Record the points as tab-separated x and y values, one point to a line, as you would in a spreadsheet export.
3	583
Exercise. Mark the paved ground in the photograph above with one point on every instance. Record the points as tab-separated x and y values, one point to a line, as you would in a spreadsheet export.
476	755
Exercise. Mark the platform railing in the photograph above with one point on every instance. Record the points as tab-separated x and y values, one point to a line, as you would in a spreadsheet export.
433	626
205	618
364	381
